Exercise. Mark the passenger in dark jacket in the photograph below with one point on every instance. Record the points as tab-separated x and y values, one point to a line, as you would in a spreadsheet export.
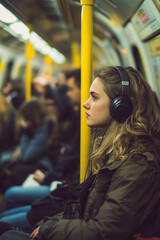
122	190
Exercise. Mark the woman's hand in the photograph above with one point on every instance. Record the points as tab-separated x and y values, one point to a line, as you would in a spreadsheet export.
38	176
34	234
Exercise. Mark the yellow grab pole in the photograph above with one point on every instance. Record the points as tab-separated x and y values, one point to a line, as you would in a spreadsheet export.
29	56
75	55
28	81
48	63
2	65
86	73
2	70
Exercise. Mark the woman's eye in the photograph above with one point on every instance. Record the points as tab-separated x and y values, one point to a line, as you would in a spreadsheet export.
94	97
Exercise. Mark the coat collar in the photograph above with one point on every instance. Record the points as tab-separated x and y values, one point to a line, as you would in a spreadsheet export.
118	163
112	166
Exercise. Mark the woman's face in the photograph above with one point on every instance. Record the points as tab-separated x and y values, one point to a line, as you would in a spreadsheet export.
97	106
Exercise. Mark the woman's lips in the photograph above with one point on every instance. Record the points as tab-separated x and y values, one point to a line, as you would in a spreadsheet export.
87	115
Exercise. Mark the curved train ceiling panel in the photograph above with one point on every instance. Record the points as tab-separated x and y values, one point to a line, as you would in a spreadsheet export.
58	22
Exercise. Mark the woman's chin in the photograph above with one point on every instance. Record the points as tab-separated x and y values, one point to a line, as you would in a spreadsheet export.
91	125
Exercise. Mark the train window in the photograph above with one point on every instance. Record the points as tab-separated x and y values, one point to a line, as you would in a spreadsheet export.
8	71
138	60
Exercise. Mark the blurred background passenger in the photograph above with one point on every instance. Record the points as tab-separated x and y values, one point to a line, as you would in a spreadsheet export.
9	129
58	103
39	84
18	196
74	86
62	77
14	91
38	133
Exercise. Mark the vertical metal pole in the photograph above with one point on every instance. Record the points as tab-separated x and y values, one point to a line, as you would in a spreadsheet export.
86	73
29	55
48	64
2	71
75	55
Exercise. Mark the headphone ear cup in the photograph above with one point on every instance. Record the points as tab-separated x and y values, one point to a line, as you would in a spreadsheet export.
121	108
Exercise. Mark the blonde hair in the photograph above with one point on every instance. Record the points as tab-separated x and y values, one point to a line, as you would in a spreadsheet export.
140	132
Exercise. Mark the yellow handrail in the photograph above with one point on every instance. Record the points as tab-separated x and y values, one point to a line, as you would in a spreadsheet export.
48	64
75	55
29	55
86	73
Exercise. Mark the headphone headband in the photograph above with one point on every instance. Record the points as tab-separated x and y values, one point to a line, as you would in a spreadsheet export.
121	107
124	80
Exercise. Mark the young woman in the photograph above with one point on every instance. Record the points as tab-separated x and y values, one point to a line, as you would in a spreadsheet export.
123	189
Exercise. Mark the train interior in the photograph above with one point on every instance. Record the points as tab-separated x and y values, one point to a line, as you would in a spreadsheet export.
44	37
124	32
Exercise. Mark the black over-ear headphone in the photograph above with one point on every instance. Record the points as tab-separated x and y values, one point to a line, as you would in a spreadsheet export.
121	107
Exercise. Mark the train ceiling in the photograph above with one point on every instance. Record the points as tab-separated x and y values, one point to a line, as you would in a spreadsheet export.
58	22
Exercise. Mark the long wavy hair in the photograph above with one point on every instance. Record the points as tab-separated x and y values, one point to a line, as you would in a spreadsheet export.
140	132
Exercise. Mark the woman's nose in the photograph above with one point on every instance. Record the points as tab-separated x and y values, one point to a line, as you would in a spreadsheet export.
86	105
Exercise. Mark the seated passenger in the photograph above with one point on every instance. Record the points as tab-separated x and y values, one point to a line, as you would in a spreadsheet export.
122	190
